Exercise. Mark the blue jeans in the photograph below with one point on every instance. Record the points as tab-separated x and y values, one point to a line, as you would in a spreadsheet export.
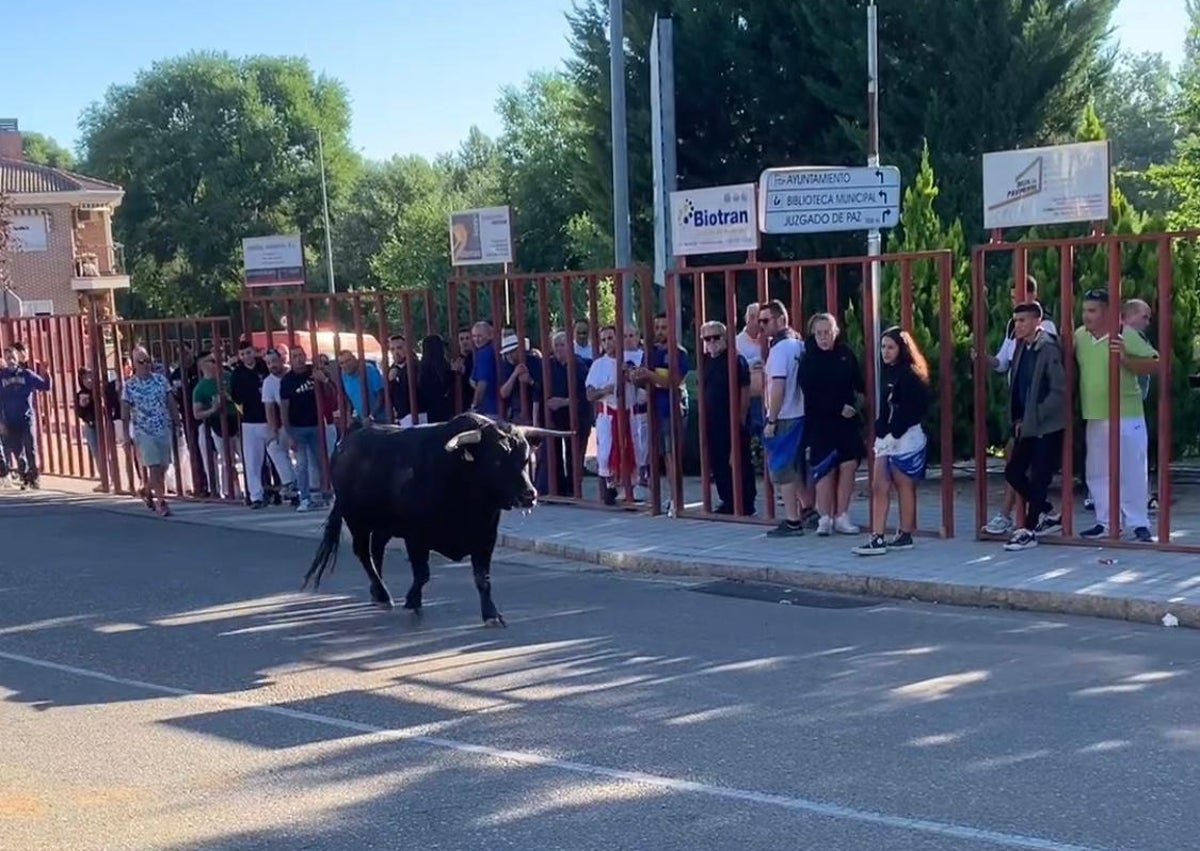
310	443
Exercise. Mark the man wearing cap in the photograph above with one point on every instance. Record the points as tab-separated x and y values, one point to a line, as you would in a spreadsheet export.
514	375
1137	357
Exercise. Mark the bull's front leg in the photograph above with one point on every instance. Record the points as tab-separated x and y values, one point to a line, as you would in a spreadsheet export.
481	565
418	557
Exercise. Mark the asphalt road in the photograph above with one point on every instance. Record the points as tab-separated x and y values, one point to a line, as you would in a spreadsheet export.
165	686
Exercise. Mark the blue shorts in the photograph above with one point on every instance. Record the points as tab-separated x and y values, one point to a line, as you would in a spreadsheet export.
785	452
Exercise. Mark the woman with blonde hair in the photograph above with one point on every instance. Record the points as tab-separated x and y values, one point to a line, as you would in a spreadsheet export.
900	442
832	381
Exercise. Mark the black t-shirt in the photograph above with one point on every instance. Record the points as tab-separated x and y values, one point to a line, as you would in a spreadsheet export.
245	387
716	388
299	390
1022	379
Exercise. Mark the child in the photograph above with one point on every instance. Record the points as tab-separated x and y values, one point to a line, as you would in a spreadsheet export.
900	441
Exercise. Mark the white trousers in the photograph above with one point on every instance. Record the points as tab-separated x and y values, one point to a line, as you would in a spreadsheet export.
254	451
606	436
1134	475
218	479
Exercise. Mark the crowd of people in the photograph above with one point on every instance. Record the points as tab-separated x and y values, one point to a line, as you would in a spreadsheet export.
796	398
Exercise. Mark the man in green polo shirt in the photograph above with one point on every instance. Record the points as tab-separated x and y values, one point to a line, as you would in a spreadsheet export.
1137	357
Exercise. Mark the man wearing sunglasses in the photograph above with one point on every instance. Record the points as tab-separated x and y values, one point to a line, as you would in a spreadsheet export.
1136	357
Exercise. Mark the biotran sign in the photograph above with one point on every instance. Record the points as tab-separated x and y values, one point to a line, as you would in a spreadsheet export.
714	220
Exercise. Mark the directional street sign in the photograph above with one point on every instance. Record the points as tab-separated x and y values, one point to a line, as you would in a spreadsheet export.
821	199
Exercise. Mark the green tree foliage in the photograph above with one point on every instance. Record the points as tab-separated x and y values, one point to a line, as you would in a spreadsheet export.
211	150
922	229
761	83
41	149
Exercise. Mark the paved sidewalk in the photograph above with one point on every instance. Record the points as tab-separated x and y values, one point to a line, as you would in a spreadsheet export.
1127	584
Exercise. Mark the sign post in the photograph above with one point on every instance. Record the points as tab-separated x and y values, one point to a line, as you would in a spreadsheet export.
820	199
480	237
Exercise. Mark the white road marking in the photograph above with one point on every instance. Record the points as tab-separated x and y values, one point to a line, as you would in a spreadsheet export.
820	808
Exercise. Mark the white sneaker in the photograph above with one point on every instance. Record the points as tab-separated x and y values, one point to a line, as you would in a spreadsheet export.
304	506
825	527
843	526
1001	524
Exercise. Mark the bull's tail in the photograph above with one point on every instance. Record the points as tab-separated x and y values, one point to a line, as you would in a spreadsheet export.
326	557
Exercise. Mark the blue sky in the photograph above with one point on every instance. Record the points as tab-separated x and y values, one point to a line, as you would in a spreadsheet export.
419	72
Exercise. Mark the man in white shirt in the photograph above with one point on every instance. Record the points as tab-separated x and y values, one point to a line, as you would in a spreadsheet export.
750	346
276	441
1001	362
614	454
783	433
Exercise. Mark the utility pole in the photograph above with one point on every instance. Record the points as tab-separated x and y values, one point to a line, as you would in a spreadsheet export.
874	237
620	154
325	203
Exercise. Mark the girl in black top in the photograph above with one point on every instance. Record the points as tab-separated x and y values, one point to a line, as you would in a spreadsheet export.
900	441
832	381
435	380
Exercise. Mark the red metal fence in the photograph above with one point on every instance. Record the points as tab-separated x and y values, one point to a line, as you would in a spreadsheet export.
841	288
1073	268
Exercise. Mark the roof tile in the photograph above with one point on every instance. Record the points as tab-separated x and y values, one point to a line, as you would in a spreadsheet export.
18	177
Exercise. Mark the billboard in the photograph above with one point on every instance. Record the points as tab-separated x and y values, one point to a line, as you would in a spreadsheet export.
714	220
481	236
273	261
1046	186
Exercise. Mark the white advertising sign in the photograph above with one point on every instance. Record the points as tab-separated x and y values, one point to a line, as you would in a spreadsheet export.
1046	186
481	236
820	199
273	261
713	220
28	233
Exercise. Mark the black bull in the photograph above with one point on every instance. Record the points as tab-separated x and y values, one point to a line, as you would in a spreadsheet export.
441	488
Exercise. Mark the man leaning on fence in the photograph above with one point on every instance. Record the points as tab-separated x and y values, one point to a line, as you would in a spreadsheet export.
1137	357
1037	405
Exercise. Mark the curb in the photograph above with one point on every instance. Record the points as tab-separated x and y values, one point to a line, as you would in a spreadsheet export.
1132	609
1136	610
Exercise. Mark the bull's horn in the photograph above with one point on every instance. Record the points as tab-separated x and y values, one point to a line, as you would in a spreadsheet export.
464	438
533	431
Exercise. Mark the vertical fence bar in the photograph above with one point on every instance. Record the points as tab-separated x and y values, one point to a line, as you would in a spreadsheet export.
735	389
656	426
906	298
979	384
699	317
946	378
1067	337
593	312
671	298
578	446
1021	274
1166	355
552	447
385	345
430	323
521	329
764	295
796	308
453	323
623	439
410	362
831	290
870	362
1114	385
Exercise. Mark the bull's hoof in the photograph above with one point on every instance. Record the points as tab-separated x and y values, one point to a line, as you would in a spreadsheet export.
497	621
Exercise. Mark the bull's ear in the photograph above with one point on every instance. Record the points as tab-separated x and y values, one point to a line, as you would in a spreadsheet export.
464	438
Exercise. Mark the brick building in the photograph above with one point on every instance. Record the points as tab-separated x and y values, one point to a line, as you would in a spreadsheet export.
62	225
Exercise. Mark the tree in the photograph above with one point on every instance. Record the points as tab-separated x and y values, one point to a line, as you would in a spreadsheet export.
760	83
43	150
1137	106
922	229
210	150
